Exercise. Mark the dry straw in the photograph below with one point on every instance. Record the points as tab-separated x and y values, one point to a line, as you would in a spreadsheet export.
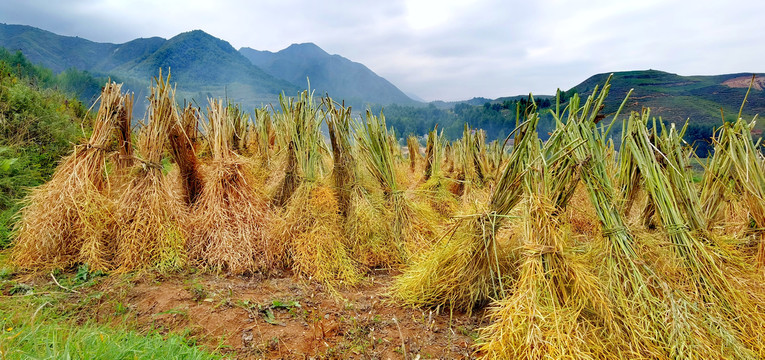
311	221
716	291
230	218
435	189
366	234
737	167
183	136
149	214
555	309
465	268
636	300
412	223
66	220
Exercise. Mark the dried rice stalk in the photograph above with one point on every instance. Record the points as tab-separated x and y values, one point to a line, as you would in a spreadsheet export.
465	269
714	291
230	218
312	228
555	309
412	224
414	151
148	213
182	138
65	221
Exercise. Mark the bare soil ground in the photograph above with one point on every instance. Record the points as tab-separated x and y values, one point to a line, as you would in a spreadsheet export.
744	81
279	317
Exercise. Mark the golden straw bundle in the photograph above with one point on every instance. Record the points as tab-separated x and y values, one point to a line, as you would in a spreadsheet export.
65	221
148	213
230	218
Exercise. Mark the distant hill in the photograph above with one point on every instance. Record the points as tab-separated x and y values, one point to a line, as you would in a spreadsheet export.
676	98
332	74
53	51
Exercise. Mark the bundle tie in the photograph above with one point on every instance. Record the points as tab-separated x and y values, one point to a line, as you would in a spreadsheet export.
149	164
538	249
91	146
614	230
676	229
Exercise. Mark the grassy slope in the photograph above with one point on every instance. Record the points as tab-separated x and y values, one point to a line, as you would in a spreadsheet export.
38	129
676	98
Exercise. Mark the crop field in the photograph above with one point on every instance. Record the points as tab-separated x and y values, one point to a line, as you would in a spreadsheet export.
305	230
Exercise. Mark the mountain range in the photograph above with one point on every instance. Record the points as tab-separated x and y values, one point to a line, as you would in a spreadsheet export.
205	66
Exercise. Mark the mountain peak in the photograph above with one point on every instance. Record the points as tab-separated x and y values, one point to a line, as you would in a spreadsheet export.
196	33
308	49
339	77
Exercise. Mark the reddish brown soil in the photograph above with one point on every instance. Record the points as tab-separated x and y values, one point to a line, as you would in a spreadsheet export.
744	82
231	315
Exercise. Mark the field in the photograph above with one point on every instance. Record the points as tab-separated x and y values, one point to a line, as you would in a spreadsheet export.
230	316
216	232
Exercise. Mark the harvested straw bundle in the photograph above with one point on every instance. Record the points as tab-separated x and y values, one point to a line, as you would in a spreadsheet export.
367	236
714	290
466	268
430	153
149	215
311	222
413	146
65	221
230	218
241	124
749	170
343	171
556	308
313	229
637	300
263	136
124	135
298	126
183	136
463	150
716	184
736	166
660	319
412	224
435	188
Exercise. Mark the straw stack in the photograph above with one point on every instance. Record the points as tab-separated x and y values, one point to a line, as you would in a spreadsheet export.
66	220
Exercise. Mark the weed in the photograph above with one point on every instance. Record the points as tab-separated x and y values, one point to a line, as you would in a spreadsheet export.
120	308
20	289
198	292
5	273
472	334
84	274
183	313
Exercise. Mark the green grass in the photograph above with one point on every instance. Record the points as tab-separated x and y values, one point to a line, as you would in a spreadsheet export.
39	338
40	320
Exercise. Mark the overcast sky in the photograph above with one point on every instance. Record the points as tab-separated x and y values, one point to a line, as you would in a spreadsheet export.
447	49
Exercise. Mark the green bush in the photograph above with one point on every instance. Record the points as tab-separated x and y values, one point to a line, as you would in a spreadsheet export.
38	126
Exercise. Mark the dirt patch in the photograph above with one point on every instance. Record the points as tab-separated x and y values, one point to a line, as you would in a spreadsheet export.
744	81
251	318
